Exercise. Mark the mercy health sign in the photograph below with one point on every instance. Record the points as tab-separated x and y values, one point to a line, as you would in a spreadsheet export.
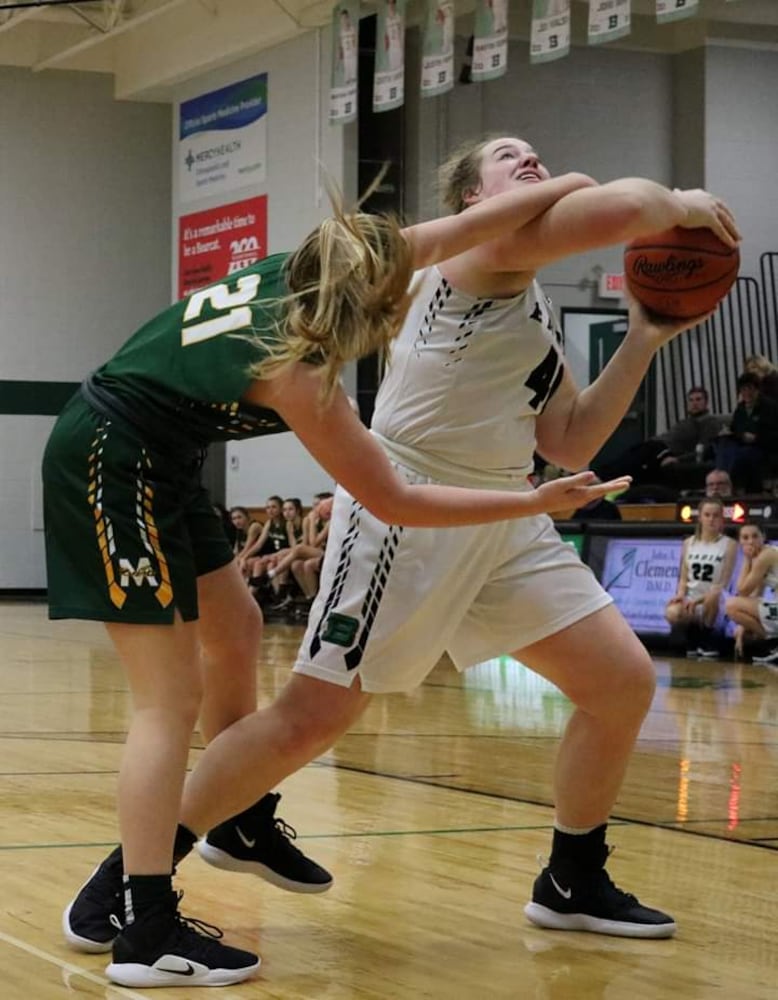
220	241
223	140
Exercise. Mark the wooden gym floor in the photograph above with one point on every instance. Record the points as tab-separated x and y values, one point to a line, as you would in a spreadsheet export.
431	815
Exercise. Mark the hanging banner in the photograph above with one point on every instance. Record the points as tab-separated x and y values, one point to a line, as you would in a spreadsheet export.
220	241
490	40
437	59
550	37
389	78
674	10
608	20
222	140
345	52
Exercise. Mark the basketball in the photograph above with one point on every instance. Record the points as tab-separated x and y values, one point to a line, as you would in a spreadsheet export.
681	273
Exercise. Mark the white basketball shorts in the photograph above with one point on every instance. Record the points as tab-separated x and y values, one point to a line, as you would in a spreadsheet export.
392	600
768	616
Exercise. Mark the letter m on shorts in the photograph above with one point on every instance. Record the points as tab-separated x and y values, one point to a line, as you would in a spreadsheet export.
142	573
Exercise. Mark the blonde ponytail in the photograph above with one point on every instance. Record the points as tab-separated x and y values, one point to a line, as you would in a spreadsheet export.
348	295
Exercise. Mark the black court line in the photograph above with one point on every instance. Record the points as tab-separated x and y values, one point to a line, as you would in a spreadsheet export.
614	818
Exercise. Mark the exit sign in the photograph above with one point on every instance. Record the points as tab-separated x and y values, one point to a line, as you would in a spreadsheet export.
611	286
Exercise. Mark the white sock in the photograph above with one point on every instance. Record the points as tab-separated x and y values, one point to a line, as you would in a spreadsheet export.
575	831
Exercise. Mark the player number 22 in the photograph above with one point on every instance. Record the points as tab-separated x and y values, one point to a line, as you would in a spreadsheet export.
233	306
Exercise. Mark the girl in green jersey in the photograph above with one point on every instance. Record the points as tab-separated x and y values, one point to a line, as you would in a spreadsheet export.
132	539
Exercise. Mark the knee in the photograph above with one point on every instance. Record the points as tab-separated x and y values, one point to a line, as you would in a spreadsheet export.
311	717
733	607
673	613
628	698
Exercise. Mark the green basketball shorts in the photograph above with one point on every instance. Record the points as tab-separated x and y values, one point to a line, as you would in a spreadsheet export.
128	529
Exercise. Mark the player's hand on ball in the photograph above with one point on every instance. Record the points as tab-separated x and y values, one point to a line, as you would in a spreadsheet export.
706	211
658	330
577	491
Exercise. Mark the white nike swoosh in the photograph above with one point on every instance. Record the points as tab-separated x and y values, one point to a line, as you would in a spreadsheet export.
564	893
249	843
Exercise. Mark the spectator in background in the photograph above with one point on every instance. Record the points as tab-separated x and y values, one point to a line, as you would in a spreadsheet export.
707	562
245	531
748	449
693	438
263	553
676	458
718	484
744	610
309	546
278	570
750	609
767	373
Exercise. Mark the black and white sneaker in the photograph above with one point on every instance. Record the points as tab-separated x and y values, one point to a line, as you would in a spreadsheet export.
769	659
259	843
91	920
162	948
593	903
707	653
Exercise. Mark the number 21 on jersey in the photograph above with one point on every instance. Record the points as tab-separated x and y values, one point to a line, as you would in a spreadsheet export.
233	308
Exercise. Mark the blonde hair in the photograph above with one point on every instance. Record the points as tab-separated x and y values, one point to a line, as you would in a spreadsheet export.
707	502
759	365
348	295
461	174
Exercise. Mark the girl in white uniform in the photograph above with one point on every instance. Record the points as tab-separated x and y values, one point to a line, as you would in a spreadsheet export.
754	609
476	382
707	562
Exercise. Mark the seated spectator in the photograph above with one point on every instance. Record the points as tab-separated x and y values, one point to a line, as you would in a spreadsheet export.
740	609
245	532
748	448
278	576
693	438
751	610
766	372
310	551
676	459
273	537
707	562
718	484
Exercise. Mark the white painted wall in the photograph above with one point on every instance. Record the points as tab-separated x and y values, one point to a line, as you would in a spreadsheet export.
84	251
85	254
741	142
301	149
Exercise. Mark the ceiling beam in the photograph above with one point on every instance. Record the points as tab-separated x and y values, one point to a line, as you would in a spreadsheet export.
97	37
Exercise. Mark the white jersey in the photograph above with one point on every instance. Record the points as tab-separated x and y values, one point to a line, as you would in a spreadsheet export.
704	564
465	382
771	577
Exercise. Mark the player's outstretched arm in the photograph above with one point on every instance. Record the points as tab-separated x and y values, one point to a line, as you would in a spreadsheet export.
351	455
441	239
610	214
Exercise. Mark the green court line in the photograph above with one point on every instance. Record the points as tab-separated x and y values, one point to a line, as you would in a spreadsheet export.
328	836
668	825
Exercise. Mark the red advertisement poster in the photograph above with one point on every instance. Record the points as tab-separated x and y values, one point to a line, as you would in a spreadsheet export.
220	241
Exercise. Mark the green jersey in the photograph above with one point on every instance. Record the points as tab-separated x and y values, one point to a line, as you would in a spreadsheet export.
180	377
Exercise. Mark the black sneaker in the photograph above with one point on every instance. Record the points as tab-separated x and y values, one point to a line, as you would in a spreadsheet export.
87	921
260	843
769	659
593	904
162	948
